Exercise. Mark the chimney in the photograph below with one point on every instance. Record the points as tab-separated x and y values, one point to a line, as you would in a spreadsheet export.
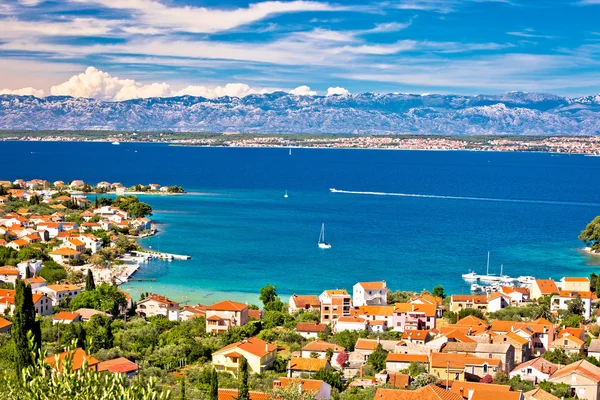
462	391
267	347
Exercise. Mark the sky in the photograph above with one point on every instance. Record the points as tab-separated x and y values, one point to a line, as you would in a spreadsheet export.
123	49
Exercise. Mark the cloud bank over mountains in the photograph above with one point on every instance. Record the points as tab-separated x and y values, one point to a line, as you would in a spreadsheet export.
97	84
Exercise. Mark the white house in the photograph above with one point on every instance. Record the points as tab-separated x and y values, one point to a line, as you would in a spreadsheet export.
225	314
9	274
370	294
311	330
58	292
350	324
155	304
497	301
594	349
34	267
561	301
535	370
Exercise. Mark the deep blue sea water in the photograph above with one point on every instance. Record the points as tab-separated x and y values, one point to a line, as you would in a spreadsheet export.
525	208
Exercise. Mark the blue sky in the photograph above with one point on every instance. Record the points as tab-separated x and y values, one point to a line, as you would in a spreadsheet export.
120	49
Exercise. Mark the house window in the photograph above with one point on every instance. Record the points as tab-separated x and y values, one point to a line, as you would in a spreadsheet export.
485	368
529	371
456	376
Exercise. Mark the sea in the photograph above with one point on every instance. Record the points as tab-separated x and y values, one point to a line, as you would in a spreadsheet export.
415	219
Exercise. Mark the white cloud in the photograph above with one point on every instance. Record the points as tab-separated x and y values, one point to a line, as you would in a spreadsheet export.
389	27
230	89
99	84
209	20
303	91
528	34
30	3
28	91
332	91
13	28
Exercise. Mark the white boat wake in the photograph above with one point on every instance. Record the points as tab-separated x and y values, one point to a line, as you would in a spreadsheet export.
469	198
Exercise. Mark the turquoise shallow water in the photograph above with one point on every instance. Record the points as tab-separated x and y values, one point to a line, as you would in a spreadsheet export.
526	209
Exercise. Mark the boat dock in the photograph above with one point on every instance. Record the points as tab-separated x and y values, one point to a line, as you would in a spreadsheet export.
162	256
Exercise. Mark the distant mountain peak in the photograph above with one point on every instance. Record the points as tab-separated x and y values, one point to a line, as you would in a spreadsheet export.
365	113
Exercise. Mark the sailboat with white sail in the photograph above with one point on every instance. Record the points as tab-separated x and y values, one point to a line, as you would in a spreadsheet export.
285	196
322	243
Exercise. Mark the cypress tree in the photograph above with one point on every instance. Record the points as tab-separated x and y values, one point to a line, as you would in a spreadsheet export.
182	391
24	322
598	286
214	385
27	272
89	281
243	392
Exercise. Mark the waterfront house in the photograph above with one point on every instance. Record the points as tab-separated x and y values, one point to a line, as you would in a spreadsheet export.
64	255
350	324
334	304
399	362
155	304
374	314
497	301
91	242
319	348
298	366
5	325
518	295
369	294
582	377
311	330
225	314
9	274
316	387
427	298
521	345
460	302
561	301
78	359
572	284
410	316
535	370
308	303
190	312
259	354
119	365
59	292
542	287
66	317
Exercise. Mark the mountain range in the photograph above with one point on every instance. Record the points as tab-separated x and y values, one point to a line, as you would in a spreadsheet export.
514	113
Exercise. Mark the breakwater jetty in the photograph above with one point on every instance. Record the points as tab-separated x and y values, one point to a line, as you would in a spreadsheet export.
162	256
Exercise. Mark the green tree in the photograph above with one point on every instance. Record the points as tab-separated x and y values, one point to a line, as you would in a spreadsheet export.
556	356
38	382
576	306
182	389
214	385
438	291
422	380
270	299
105	297
53	272
99	333
89	281
24	325
330	376
243	391
591	234
292	391
377	358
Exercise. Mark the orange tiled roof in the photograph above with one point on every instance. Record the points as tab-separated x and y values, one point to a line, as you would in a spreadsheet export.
336	292
539	394
307	364
4	323
158	298
372	285
304	301
66	316
321	345
431	392
575	279
310	327
428	310
366	344
539	364
414	334
472	320
546	286
407	358
354	319
9	270
64	251
119	365
313	385
254	346
79	357
582	367
232	394
373	310
227	305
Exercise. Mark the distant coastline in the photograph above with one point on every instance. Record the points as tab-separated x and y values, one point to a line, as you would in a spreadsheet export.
584	145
